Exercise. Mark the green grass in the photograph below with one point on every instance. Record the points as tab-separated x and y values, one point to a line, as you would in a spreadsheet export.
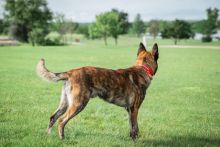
182	106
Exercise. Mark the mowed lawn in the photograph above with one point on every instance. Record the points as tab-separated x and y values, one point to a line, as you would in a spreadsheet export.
181	108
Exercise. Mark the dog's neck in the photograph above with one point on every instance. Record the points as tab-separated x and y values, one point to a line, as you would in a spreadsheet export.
148	70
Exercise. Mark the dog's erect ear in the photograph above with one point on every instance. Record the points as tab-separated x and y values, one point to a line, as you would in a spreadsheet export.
155	52
141	48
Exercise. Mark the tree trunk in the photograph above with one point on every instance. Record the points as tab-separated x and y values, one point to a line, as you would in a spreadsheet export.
116	41
175	41
32	41
154	38
71	37
33	44
105	40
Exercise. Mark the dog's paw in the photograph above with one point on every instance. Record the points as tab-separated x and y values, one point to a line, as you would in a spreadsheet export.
49	131
61	136
61	133
134	135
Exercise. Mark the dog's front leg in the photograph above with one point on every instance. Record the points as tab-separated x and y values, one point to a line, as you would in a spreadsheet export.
133	113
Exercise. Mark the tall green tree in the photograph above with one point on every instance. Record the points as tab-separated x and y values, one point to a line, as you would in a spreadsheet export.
154	28
4	26
63	26
1	26
197	26
123	21
83	28
210	25
115	26
28	19
58	23
94	31
180	29
102	26
138	25
106	25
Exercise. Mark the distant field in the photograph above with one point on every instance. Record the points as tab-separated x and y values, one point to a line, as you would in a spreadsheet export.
182	106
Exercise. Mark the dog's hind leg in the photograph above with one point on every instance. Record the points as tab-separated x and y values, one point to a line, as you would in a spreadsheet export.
60	110
79	102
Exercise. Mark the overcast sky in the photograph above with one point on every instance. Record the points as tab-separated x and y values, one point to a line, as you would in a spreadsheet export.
86	10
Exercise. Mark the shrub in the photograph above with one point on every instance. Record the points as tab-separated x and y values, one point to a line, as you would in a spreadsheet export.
53	38
207	39
36	36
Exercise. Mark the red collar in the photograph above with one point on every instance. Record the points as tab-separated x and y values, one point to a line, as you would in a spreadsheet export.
148	71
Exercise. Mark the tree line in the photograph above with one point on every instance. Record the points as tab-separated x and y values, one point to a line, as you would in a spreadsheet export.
33	22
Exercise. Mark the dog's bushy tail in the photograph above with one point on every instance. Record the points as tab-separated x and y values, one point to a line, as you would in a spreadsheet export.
45	74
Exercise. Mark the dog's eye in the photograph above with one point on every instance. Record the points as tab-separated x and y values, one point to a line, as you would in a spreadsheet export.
146	59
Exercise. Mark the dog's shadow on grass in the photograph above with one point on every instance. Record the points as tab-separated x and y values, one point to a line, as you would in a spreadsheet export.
166	141
94	137
181	141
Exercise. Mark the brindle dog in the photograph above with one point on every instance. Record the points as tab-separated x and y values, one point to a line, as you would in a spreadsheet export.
123	87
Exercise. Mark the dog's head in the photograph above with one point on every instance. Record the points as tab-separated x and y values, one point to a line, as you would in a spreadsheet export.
148	58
